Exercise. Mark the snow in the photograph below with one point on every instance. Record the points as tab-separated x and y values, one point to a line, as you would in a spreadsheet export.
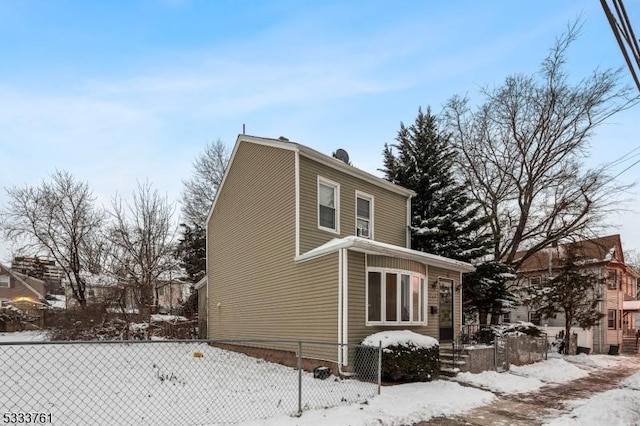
400	338
142	379
500	382
167	318
24	336
57	301
553	370
611	408
396	405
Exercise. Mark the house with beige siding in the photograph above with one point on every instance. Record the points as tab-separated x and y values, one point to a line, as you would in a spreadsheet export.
619	304
303	246
19	289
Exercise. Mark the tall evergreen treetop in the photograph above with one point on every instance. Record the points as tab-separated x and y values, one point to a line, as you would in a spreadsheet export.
445	221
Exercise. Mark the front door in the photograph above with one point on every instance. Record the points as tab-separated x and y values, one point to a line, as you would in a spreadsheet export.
446	310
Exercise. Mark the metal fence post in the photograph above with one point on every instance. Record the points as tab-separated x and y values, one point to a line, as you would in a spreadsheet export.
299	377
379	366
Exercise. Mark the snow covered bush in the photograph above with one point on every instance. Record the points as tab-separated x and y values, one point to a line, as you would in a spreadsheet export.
407	356
519	328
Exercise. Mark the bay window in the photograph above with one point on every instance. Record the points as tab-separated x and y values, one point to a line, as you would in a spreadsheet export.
395	297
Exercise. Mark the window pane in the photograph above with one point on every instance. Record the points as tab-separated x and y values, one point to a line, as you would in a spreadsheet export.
415	285
363	208
391	286
327	217
375	297
611	318
4	281
363	228
405	297
327	197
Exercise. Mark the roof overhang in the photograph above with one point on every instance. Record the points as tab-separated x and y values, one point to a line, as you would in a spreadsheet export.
367	246
631	305
201	283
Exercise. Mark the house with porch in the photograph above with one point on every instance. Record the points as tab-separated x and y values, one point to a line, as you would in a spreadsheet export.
618	291
304	246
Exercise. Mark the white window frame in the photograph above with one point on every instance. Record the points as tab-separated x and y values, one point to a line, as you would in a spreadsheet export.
336	195
161	291
537	279
5	281
422	295
369	198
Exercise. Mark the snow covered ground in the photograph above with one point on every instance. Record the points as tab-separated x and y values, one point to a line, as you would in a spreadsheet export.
163	383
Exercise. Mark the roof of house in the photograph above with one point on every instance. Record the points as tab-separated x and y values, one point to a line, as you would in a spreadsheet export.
201	283
284	143
596	250
22	279
376	247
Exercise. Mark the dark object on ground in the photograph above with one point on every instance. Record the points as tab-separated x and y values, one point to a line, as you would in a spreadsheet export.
614	349
321	372
582	350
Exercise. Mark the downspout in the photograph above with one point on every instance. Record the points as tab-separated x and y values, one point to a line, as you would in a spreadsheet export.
345	306
340	311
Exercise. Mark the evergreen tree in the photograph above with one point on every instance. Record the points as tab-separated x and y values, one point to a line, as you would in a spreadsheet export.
488	290
445	221
192	251
574	292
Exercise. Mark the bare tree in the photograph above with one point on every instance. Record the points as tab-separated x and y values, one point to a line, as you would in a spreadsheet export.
56	218
521	153
142	243
200	190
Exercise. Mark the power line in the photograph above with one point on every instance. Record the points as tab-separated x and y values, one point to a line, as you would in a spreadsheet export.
625	36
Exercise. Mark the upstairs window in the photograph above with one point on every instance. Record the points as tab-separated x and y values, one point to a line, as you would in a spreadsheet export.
4	281
613	279
364	215
328	208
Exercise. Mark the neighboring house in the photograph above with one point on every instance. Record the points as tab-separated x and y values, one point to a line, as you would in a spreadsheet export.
201	288
604	257
171	295
301	245
21	290
118	293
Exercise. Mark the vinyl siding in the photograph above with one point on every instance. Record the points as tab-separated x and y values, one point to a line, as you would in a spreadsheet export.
389	216
394	263
358	329
255	288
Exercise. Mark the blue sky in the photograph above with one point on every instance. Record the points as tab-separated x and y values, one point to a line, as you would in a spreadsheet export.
120	91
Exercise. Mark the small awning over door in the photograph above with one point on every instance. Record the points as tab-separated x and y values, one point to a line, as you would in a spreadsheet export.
631	306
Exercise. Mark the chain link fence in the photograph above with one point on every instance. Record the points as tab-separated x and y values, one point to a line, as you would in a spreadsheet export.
178	382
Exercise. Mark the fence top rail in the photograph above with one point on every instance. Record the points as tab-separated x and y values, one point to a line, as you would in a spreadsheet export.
165	341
